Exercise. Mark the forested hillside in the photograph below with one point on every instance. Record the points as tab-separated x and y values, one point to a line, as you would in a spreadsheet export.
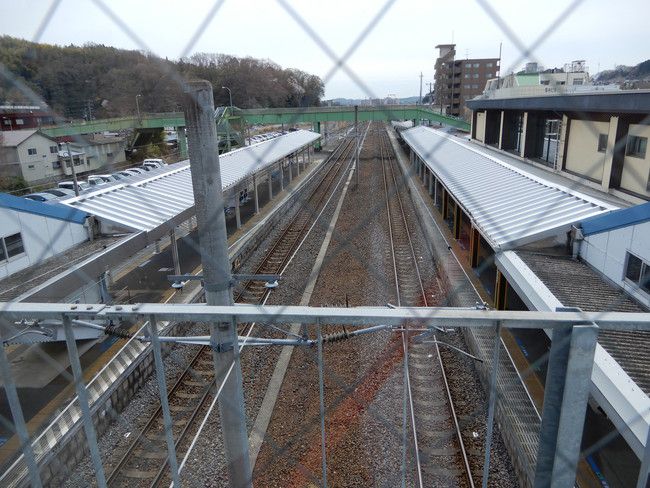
104	81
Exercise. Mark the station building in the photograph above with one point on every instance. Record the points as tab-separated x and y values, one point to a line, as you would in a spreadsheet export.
597	138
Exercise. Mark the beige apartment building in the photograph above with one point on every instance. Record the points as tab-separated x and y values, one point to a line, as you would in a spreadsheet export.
459	80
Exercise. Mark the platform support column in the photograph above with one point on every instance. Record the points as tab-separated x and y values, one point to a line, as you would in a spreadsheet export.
297	160
290	170
458	220
445	204
174	247
430	183
270	182
435	191
213	241
237	211
280	165
566	392
500	292
257	200
474	246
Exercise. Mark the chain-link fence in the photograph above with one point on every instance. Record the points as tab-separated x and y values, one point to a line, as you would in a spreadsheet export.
348	395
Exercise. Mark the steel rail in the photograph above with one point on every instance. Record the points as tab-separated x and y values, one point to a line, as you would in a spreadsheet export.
340	154
407	380
463	452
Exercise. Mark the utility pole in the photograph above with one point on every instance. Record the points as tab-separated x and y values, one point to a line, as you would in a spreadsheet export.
431	93
356	138
74	173
227	119
420	102
211	223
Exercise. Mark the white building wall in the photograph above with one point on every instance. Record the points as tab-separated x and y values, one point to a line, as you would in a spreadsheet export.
636	171
43	237
38	166
607	251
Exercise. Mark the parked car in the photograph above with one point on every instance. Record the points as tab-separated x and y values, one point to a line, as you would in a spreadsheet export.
95	180
41	197
154	163
69	185
59	192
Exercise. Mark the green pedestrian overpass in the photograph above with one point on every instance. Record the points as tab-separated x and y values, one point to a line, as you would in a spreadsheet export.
242	118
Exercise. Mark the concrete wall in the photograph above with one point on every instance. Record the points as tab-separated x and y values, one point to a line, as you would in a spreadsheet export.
480	126
606	252
105	154
43	237
636	170
583	156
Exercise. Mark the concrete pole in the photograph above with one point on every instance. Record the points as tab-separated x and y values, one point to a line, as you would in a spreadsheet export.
174	246
281	175
257	200
356	138
209	202
270	187
74	172
430	183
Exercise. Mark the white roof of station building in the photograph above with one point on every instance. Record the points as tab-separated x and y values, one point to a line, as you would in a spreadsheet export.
509	206
149	202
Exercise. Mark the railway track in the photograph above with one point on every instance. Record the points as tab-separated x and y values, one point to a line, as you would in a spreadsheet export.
145	462
440	458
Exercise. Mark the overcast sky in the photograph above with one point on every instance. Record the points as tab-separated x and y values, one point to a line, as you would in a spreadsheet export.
390	59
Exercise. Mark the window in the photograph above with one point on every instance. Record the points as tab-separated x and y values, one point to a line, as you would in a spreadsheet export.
475	75
31	151
30	166
476	65
602	142
636	146
6	121
488	65
20	121
109	155
14	245
54	149
56	164
638	272
577	81
466	75
489	75
475	87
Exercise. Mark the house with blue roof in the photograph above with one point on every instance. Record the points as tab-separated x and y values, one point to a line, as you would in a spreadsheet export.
618	245
31	231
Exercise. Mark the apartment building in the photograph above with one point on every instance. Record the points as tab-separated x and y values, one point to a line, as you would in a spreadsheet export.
459	80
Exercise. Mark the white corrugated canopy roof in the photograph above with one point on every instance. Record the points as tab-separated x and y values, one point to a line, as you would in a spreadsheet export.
147	203
509	206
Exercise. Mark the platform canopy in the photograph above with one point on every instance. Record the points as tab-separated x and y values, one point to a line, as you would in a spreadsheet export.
508	206
167	198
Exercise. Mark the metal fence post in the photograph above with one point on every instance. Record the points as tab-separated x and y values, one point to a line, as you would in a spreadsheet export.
209	202
568	382
82	398
321	396
644	470
19	418
152	328
491	404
